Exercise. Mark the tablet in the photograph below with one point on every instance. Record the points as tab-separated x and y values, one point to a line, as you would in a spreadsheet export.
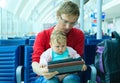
69	65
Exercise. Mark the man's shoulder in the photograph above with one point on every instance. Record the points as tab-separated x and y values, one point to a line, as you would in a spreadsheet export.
46	31
49	29
77	31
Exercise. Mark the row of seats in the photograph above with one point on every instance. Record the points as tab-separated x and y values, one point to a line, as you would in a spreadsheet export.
4	42
92	41
90	48
12	60
94	37
29	76
15	61
9	61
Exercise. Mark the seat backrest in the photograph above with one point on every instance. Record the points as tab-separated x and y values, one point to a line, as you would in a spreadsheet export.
31	42
89	54
9	60
29	75
20	42
13	41
92	41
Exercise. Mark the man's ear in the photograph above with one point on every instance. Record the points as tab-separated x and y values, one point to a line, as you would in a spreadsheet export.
57	15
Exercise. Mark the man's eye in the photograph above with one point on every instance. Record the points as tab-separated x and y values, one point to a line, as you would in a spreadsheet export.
65	21
73	23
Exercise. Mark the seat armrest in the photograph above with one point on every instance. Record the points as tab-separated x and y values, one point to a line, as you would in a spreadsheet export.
19	74
93	74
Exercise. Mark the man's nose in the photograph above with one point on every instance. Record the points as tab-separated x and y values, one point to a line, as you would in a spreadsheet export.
67	26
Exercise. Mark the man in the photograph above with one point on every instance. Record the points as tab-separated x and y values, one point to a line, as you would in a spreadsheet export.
67	16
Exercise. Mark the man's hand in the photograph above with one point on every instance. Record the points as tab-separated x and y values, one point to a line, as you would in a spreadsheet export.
39	69
45	73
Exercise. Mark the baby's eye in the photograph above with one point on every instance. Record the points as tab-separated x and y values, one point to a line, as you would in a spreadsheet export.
63	45
57	46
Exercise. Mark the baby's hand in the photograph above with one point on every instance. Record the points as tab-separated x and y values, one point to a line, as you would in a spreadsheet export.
84	67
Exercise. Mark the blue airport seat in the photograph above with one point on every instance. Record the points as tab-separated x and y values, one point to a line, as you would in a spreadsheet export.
93	41
31	42
29	75
90	36
32	37
89	54
20	42
18	38
9	62
13	41
89	57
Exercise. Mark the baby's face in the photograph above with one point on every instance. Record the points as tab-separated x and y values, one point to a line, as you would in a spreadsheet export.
59	47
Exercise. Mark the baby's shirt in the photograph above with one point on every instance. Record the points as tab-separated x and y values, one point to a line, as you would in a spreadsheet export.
47	55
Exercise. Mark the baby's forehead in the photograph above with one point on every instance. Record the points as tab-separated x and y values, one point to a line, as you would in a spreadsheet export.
59	42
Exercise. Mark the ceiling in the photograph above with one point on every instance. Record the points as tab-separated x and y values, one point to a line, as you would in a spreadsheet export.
112	9
44	10
34	10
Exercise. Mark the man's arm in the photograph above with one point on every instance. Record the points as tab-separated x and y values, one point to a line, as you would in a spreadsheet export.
80	45
38	49
43	70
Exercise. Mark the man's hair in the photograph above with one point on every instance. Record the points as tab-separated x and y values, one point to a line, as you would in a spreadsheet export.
58	37
68	7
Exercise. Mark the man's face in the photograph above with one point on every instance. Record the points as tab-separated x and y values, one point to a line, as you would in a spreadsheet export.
66	22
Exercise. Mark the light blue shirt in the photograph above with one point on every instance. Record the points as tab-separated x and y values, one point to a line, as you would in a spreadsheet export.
56	56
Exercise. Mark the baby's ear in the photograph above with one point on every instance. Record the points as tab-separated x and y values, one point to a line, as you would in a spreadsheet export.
50	44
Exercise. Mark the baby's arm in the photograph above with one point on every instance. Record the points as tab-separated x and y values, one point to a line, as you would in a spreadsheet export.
45	58
74	54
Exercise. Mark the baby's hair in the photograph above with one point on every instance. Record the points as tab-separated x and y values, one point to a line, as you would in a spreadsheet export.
58	36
